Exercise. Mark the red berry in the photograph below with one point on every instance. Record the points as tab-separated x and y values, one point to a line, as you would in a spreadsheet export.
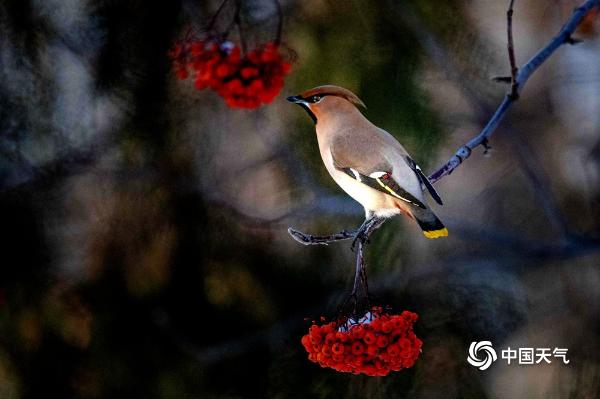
358	348
372	350
382	341
369	338
249	72
337	348
222	70
393	350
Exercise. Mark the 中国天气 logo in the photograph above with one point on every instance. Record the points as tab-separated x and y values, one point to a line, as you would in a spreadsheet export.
481	354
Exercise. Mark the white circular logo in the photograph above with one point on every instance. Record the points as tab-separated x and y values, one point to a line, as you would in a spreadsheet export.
485	349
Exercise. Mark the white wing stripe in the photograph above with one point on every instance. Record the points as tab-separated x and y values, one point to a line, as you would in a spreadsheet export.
377	175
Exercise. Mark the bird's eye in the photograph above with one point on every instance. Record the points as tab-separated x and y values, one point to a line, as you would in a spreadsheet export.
315	99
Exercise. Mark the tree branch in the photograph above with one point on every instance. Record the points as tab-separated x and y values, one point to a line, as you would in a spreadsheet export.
213	20
279	22
514	87
309	239
517	79
529	164
563	36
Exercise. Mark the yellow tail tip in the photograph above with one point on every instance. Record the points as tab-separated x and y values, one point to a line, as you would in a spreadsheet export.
436	233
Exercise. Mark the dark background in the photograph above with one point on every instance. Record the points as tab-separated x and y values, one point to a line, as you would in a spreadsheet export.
143	243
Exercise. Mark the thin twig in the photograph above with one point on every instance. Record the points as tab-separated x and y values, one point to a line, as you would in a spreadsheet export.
365	282
518	80
361	238
360	264
238	21
279	334
514	87
523	75
213	20
279	22
531	167
309	239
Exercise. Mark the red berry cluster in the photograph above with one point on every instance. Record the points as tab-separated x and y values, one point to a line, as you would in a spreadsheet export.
374	345
244	81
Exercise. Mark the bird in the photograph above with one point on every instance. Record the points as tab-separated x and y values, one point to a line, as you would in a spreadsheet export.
367	162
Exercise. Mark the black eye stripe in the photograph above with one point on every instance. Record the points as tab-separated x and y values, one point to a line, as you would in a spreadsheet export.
315	98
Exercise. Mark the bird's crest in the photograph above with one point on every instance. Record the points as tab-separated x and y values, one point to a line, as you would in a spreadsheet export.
331	90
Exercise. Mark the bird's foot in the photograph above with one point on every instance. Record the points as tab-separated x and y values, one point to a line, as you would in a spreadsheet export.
360	236
365	231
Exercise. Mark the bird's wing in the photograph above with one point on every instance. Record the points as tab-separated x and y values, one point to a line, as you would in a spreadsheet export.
424	180
373	172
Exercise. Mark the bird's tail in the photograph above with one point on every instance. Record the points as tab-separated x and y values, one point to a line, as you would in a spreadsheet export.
430	224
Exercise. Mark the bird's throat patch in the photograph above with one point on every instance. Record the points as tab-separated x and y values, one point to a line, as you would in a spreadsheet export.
310	113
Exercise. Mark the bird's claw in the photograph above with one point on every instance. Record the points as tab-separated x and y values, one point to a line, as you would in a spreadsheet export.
362	237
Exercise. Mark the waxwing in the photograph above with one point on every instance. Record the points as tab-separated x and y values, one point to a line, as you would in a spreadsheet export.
367	162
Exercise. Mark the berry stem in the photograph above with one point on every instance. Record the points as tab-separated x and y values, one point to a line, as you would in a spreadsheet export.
279	22
238	22
213	20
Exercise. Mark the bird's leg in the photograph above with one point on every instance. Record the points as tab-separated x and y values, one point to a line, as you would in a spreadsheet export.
360	233
309	239
374	226
366	229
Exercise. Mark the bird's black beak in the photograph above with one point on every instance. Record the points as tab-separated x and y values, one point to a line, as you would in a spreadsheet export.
304	104
295	99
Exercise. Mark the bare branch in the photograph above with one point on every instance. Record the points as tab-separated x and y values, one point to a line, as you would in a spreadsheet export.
502	79
514	88
238	22
213	20
517	80
360	267
309	239
530	165
278	334
279	22
563	36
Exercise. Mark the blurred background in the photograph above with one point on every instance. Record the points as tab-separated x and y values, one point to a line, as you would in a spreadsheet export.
143	242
